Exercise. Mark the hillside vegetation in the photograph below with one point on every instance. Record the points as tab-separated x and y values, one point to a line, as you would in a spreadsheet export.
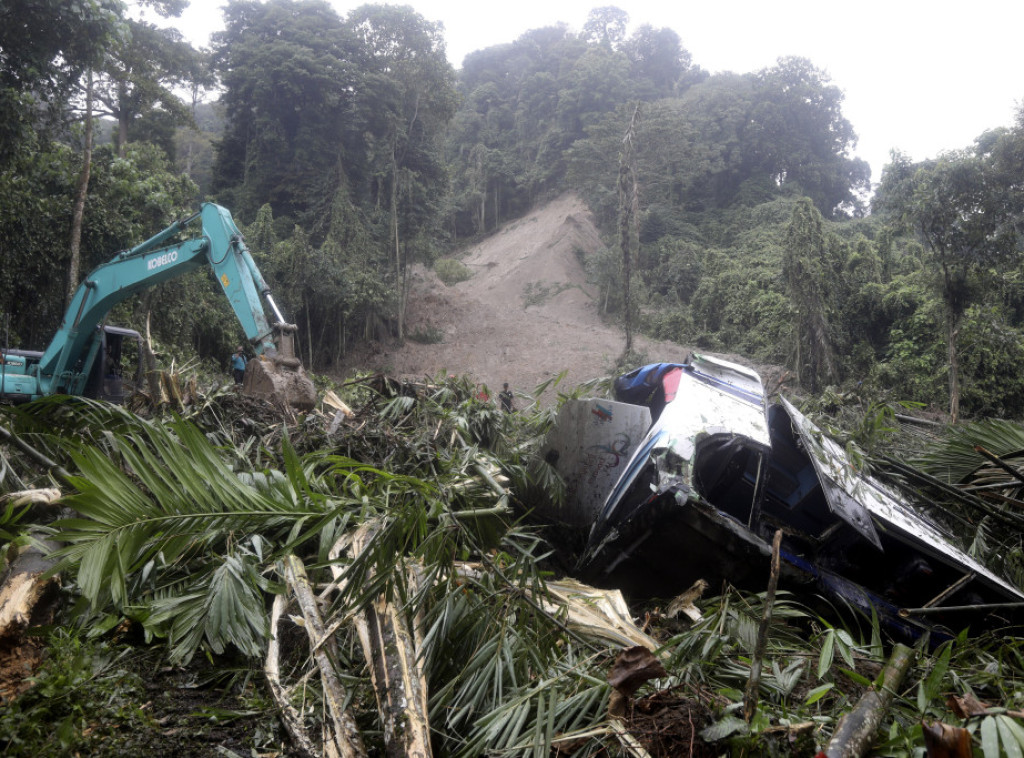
352	153
525	313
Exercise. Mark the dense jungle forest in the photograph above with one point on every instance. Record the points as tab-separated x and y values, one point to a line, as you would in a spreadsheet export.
349	149
210	575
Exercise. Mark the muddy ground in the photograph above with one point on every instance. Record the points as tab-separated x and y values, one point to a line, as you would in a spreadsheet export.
526	315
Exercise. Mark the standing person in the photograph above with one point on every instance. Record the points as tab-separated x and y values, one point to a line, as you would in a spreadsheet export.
238	365
507	399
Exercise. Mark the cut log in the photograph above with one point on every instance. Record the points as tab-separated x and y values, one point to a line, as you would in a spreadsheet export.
855	733
390	645
282	695
27	599
24	590
346	740
25	584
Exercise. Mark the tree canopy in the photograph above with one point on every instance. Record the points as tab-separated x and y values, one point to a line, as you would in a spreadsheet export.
355	150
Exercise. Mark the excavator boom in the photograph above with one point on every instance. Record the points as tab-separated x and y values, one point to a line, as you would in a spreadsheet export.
69	360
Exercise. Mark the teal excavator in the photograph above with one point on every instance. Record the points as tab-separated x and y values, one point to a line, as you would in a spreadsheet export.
84	357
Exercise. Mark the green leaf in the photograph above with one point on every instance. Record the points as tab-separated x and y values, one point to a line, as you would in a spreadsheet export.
844	643
989	737
1010	739
1015	728
933	682
818	693
725	727
827	653
857	677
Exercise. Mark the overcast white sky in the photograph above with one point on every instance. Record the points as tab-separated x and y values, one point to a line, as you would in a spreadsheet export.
921	77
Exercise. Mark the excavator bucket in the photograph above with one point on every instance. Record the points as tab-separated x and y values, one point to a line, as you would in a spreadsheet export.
281	385
278	375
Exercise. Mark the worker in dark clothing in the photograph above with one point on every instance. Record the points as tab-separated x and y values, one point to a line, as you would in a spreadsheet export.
238	365
507	399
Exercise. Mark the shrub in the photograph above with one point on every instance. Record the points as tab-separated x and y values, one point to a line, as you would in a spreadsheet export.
451	271
429	335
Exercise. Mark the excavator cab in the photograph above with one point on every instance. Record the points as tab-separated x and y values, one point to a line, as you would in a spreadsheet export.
118	367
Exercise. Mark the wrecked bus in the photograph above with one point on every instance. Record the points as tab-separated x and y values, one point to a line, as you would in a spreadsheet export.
718	470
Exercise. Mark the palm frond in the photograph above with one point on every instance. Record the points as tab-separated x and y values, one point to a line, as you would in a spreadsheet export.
955	459
167	506
224	606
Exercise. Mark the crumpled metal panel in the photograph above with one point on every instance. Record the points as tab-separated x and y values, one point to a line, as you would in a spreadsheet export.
733	376
698	411
844	488
594	440
886	506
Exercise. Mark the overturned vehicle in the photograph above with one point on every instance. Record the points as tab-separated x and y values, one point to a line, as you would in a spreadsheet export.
716	471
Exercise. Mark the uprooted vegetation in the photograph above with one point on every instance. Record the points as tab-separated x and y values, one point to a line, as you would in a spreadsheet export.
369	581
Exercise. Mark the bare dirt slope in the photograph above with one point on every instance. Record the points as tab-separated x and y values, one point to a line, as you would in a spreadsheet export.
526	315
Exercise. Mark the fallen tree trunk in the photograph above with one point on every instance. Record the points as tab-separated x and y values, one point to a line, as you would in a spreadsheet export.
156	389
28	595
346	740
51	467
282	695
391	647
25	583
855	732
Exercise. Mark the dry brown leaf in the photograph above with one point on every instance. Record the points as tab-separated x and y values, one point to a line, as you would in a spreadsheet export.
945	741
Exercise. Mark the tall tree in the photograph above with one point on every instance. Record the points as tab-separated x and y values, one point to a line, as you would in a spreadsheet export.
289	81
134	78
956	205
806	270
406	102
629	211
81	191
597	84
659	60
798	135
606	26
45	47
139	76
510	109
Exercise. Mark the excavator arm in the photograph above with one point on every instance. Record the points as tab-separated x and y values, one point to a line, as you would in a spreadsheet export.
276	373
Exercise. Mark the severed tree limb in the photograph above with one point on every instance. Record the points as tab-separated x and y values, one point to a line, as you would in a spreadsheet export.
44	496
346	740
51	466
152	372
855	733
999	462
390	647
272	670
594	612
25	584
25	588
750	697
